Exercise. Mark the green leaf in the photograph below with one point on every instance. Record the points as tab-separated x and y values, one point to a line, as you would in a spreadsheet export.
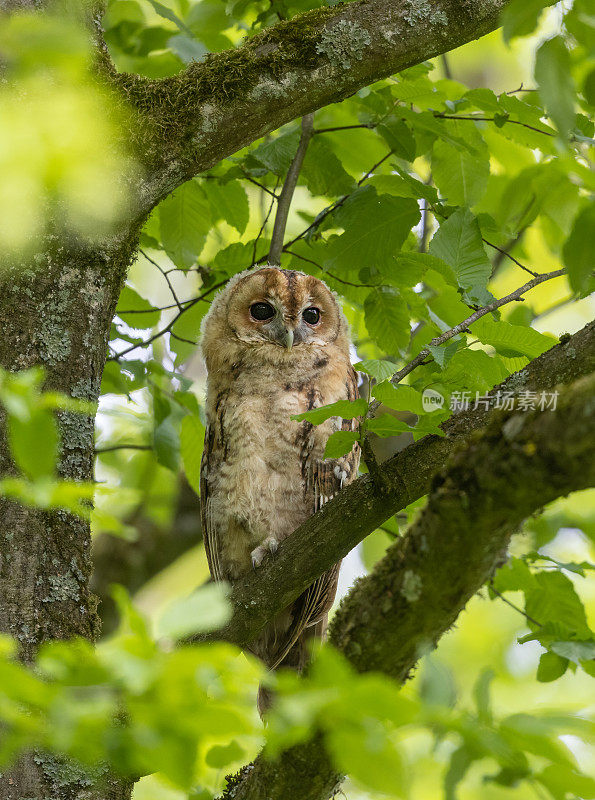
323	172
369	755
185	220
553	599
481	694
144	315
460	175
187	48
34	444
167	13
228	201
408	269
207	609
277	154
511	340
220	756
375	228
399	138
578	251
400	397
559	780
575	651
556	87
520	17
377	369
551	667
339	443
166	443
460	761
474	370
346	409
387	319
192	434
458	242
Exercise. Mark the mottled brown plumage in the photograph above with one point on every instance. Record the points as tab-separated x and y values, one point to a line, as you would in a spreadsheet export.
262	473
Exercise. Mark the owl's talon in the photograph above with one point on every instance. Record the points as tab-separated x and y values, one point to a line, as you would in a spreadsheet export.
270	545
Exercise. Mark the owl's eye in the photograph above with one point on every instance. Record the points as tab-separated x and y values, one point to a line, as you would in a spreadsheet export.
262	311
311	315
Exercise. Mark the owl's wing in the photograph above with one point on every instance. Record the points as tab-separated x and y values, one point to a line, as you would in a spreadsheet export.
209	524
327	478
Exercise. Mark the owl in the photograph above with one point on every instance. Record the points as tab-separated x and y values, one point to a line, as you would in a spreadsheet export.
276	344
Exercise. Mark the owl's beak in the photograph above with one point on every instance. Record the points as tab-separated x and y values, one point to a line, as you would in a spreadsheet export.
288	339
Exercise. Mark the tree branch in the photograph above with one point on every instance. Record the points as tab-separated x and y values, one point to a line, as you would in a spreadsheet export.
190	121
414	595
360	508
287	191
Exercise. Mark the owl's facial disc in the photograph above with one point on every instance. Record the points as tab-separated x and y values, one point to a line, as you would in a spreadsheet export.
283	308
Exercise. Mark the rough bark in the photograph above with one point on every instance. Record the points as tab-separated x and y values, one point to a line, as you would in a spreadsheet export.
330	534
190	121
54	312
391	617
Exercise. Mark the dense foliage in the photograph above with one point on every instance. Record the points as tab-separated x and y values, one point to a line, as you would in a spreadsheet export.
424	201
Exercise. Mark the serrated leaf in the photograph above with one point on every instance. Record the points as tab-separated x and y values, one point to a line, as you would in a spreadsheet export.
167	13
185	220
377	369
375	228
408	269
387	319
511	340
575	651
323	172
553	599
399	398
578	251
556	87
339	443
458	242
277	154
192	434
461	176
398	137
229	201
346	409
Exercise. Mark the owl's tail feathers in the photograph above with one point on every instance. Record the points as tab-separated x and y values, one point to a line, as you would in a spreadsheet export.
297	658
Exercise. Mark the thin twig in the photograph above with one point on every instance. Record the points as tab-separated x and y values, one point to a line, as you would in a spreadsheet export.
115	447
504	253
464	325
512	605
260	185
170	325
261	231
330	274
337	204
492	119
368	125
291	179
165	275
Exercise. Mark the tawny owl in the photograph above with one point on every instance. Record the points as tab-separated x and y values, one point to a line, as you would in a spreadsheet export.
275	343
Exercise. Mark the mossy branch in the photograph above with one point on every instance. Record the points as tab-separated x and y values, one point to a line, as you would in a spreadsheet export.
190	121
359	509
397	613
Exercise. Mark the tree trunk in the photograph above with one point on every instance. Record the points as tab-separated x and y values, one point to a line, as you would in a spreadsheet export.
55	312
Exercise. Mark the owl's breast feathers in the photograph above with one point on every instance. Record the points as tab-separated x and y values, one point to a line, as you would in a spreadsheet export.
263	474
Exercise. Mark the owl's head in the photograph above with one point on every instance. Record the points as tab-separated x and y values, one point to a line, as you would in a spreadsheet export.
279	311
